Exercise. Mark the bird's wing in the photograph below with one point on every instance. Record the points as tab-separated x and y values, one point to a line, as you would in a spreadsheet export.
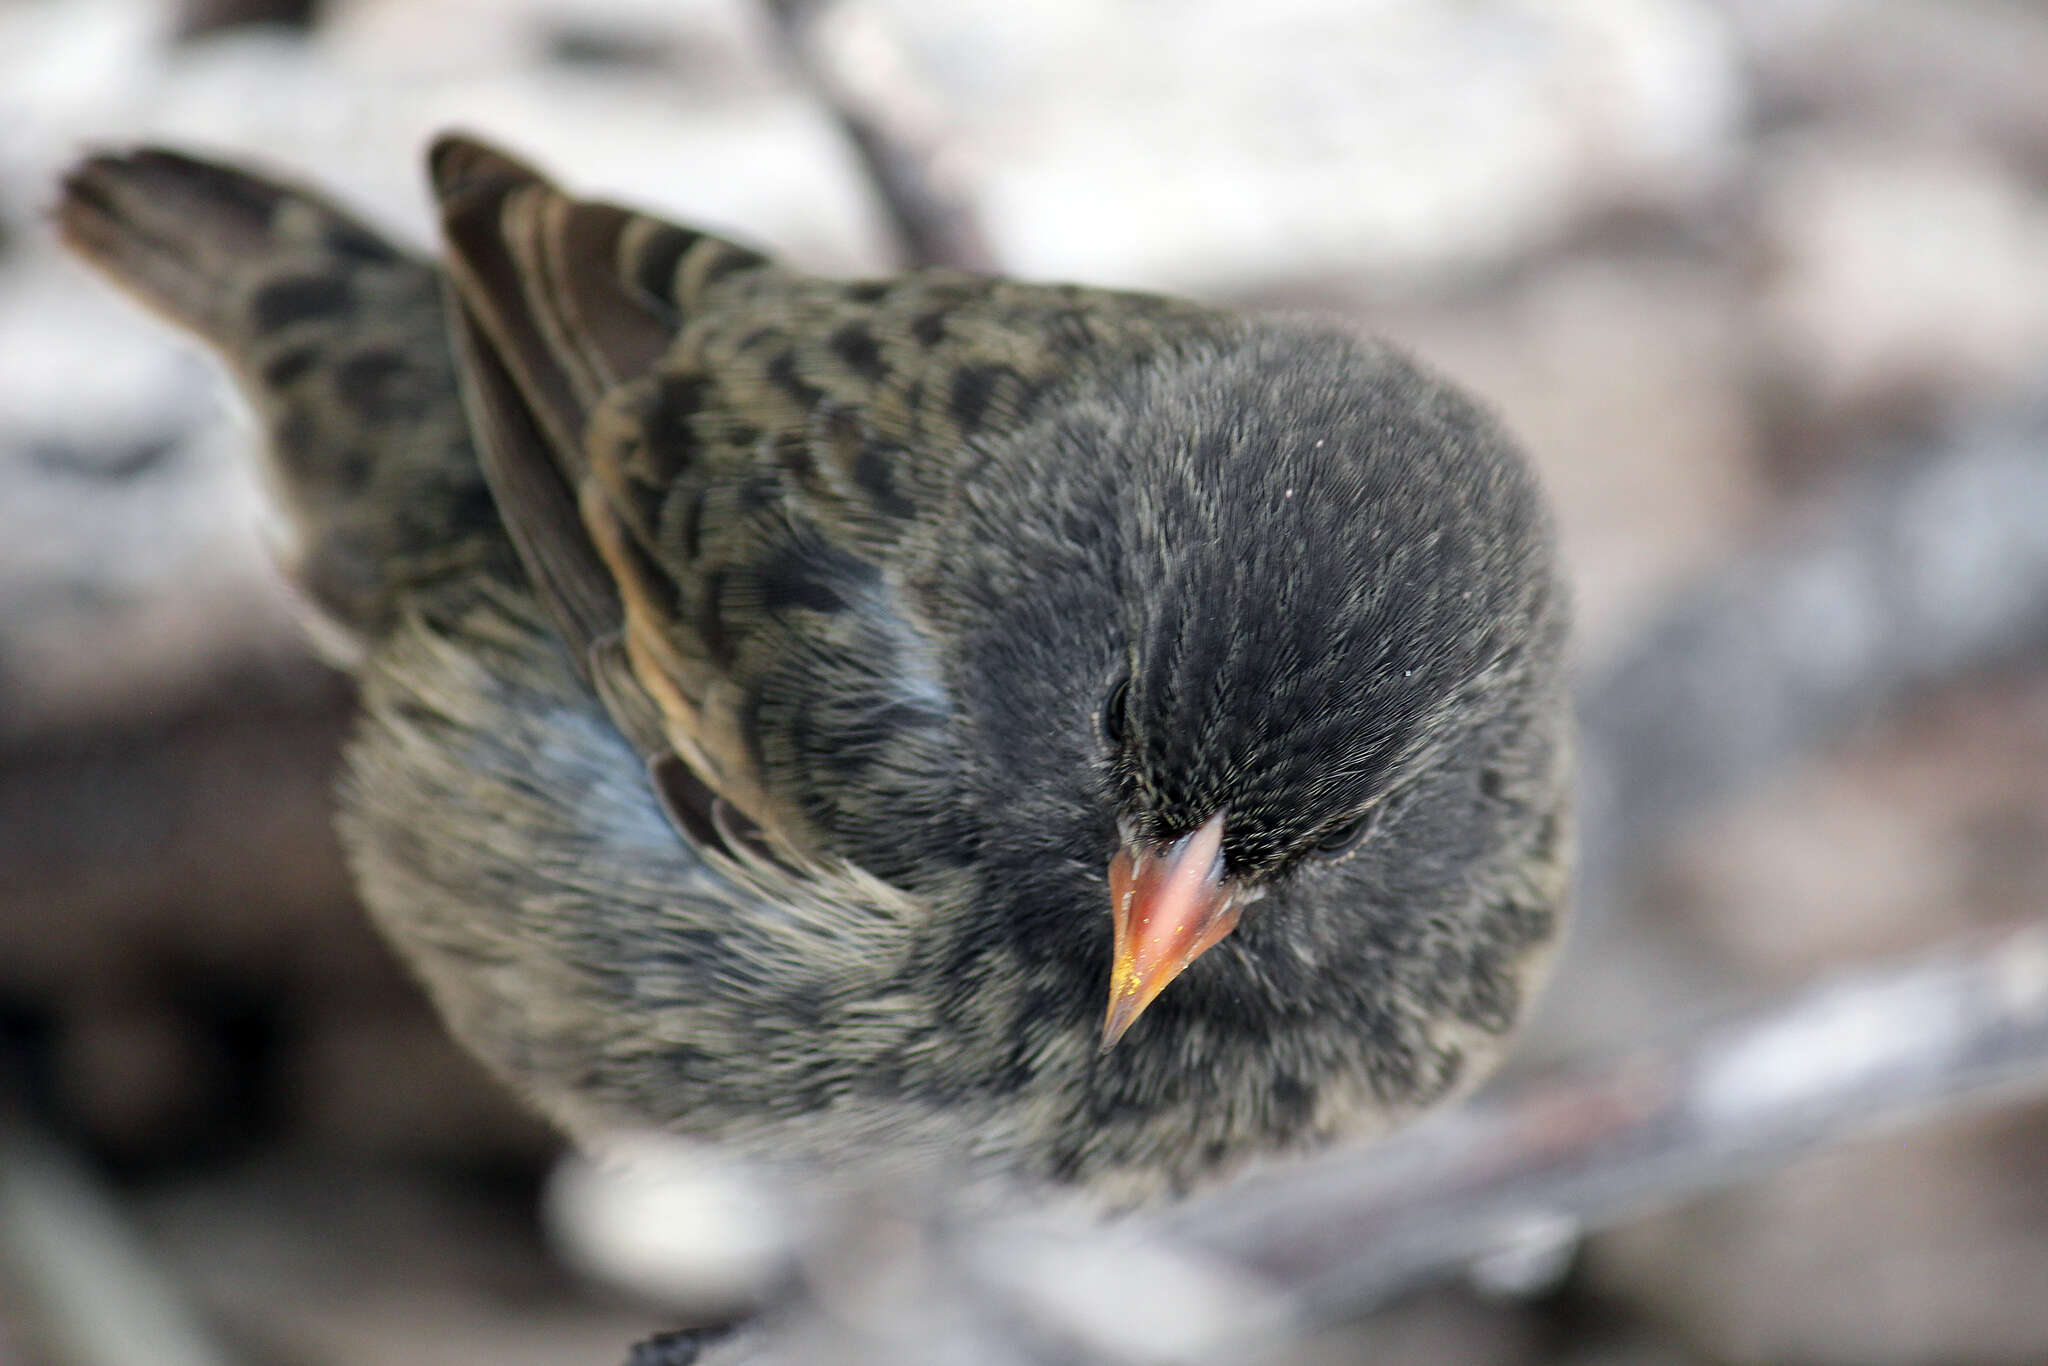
710	465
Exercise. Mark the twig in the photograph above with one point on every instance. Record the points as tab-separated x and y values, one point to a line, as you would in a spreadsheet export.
850	59
1228	1276
1348	1230
96	1295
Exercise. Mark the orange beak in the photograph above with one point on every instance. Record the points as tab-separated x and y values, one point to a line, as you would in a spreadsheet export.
1170	906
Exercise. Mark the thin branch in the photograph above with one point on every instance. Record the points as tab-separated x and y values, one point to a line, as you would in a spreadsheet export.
851	60
1836	1063
1232	1275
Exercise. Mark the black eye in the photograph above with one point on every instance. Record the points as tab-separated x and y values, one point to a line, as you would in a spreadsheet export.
1115	717
1342	839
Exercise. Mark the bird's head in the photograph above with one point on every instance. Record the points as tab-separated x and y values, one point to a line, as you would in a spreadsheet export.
1310	578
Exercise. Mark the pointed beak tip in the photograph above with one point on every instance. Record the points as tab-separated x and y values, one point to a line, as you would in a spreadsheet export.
1123	1013
1169	905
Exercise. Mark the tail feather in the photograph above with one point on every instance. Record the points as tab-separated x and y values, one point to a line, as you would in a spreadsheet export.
181	234
337	339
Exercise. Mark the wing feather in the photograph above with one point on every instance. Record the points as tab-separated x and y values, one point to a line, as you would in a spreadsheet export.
719	474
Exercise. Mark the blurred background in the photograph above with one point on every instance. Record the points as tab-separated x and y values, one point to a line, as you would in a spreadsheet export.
1762	285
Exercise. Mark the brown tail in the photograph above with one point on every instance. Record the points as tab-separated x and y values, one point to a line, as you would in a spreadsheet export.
337	339
195	239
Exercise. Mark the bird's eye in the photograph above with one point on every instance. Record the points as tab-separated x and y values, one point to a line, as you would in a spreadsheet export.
1342	839
1115	718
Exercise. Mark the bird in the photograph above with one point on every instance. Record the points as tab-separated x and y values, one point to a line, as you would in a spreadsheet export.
1084	737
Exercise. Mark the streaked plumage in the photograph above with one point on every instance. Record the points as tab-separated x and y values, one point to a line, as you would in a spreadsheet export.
755	713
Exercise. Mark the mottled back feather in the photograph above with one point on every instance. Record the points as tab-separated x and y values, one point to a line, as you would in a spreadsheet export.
718	464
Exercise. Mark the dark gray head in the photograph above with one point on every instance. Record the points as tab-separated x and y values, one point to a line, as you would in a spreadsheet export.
1335	560
1227	615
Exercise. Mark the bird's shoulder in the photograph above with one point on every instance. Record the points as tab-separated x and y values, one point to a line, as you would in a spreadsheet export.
717	471
855	406
787	467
